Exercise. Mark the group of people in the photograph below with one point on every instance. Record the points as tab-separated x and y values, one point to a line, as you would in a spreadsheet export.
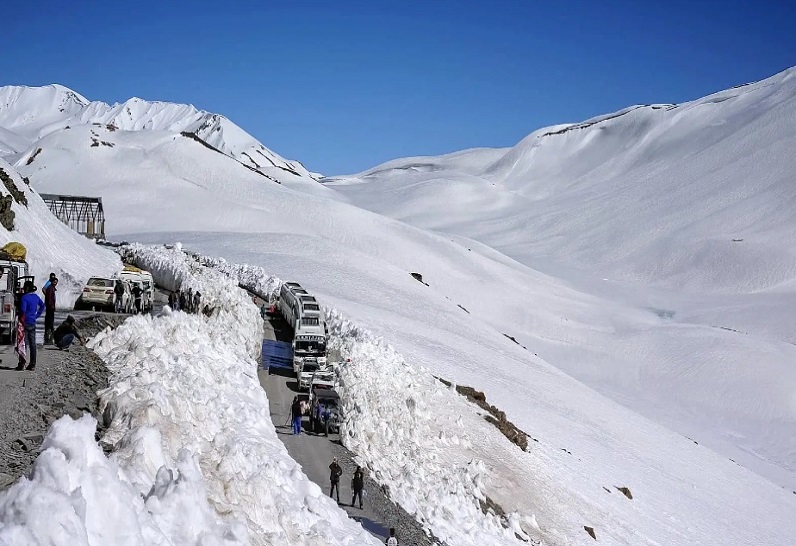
29	308
188	301
357	486
357	482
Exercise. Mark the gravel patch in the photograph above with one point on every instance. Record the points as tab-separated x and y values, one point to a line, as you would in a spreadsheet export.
63	383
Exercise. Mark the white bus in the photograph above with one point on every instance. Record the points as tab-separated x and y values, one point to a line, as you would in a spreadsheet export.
303	313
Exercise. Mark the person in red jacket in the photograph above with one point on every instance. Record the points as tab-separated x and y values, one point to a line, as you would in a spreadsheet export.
49	309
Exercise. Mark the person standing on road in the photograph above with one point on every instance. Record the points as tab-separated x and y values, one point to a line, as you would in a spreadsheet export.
49	309
49	281
181	301
295	412
197	301
66	333
357	485
32	308
334	476
118	292
137	293
189	301
392	541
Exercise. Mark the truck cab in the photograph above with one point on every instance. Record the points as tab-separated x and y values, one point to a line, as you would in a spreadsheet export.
12	273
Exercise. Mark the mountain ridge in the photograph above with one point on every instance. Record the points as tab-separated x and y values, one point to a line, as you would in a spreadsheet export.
27	114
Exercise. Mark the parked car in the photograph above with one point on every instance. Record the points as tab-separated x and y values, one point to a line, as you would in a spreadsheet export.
98	292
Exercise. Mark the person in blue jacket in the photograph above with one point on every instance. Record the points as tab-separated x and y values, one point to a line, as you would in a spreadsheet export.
32	307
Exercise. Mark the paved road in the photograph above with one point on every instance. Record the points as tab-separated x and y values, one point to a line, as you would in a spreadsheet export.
314	452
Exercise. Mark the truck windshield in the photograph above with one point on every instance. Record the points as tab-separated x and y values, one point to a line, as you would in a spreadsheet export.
313	347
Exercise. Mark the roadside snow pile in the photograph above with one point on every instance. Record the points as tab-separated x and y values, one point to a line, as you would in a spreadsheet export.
394	422
52	246
77	496
188	383
396	419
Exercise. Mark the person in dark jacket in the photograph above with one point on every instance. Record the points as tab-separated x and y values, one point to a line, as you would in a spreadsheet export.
118	291
31	307
295	412
137	293
334	476
357	485
66	333
49	309
181	301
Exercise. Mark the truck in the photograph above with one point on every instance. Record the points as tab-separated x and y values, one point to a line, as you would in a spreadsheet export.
147	284
324	403
13	272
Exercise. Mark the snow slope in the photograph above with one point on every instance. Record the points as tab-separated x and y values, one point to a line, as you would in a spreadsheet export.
684	376
30	113
53	247
681	212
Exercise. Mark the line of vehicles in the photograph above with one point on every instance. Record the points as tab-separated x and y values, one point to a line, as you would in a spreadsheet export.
310	361
100	292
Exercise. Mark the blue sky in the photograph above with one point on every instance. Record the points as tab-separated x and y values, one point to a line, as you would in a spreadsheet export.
343	86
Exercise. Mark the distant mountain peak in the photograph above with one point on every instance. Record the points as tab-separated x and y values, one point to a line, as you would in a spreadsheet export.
29	113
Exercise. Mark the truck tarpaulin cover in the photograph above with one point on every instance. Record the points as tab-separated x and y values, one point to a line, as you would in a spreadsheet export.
15	251
277	354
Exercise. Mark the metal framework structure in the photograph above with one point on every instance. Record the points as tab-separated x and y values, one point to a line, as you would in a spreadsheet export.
83	214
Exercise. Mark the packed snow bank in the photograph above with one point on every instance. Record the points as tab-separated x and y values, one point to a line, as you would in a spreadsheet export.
192	378
52	246
77	496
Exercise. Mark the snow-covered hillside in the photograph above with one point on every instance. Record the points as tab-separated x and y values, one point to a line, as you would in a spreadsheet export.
30	113
681	212
652	363
52	247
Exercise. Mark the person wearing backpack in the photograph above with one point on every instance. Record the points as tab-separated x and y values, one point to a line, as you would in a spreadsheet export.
392	541
357	485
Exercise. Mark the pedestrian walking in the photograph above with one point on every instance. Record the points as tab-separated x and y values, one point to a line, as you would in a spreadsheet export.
181	300
66	334
171	300
189	301
392	541
32	307
357	485
334	476
49	309
197	301
295	412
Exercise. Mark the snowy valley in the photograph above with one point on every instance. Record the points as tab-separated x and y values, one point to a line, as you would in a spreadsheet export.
622	288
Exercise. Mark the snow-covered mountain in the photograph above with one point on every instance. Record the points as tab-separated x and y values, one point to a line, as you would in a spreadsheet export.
29	113
567	242
52	247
